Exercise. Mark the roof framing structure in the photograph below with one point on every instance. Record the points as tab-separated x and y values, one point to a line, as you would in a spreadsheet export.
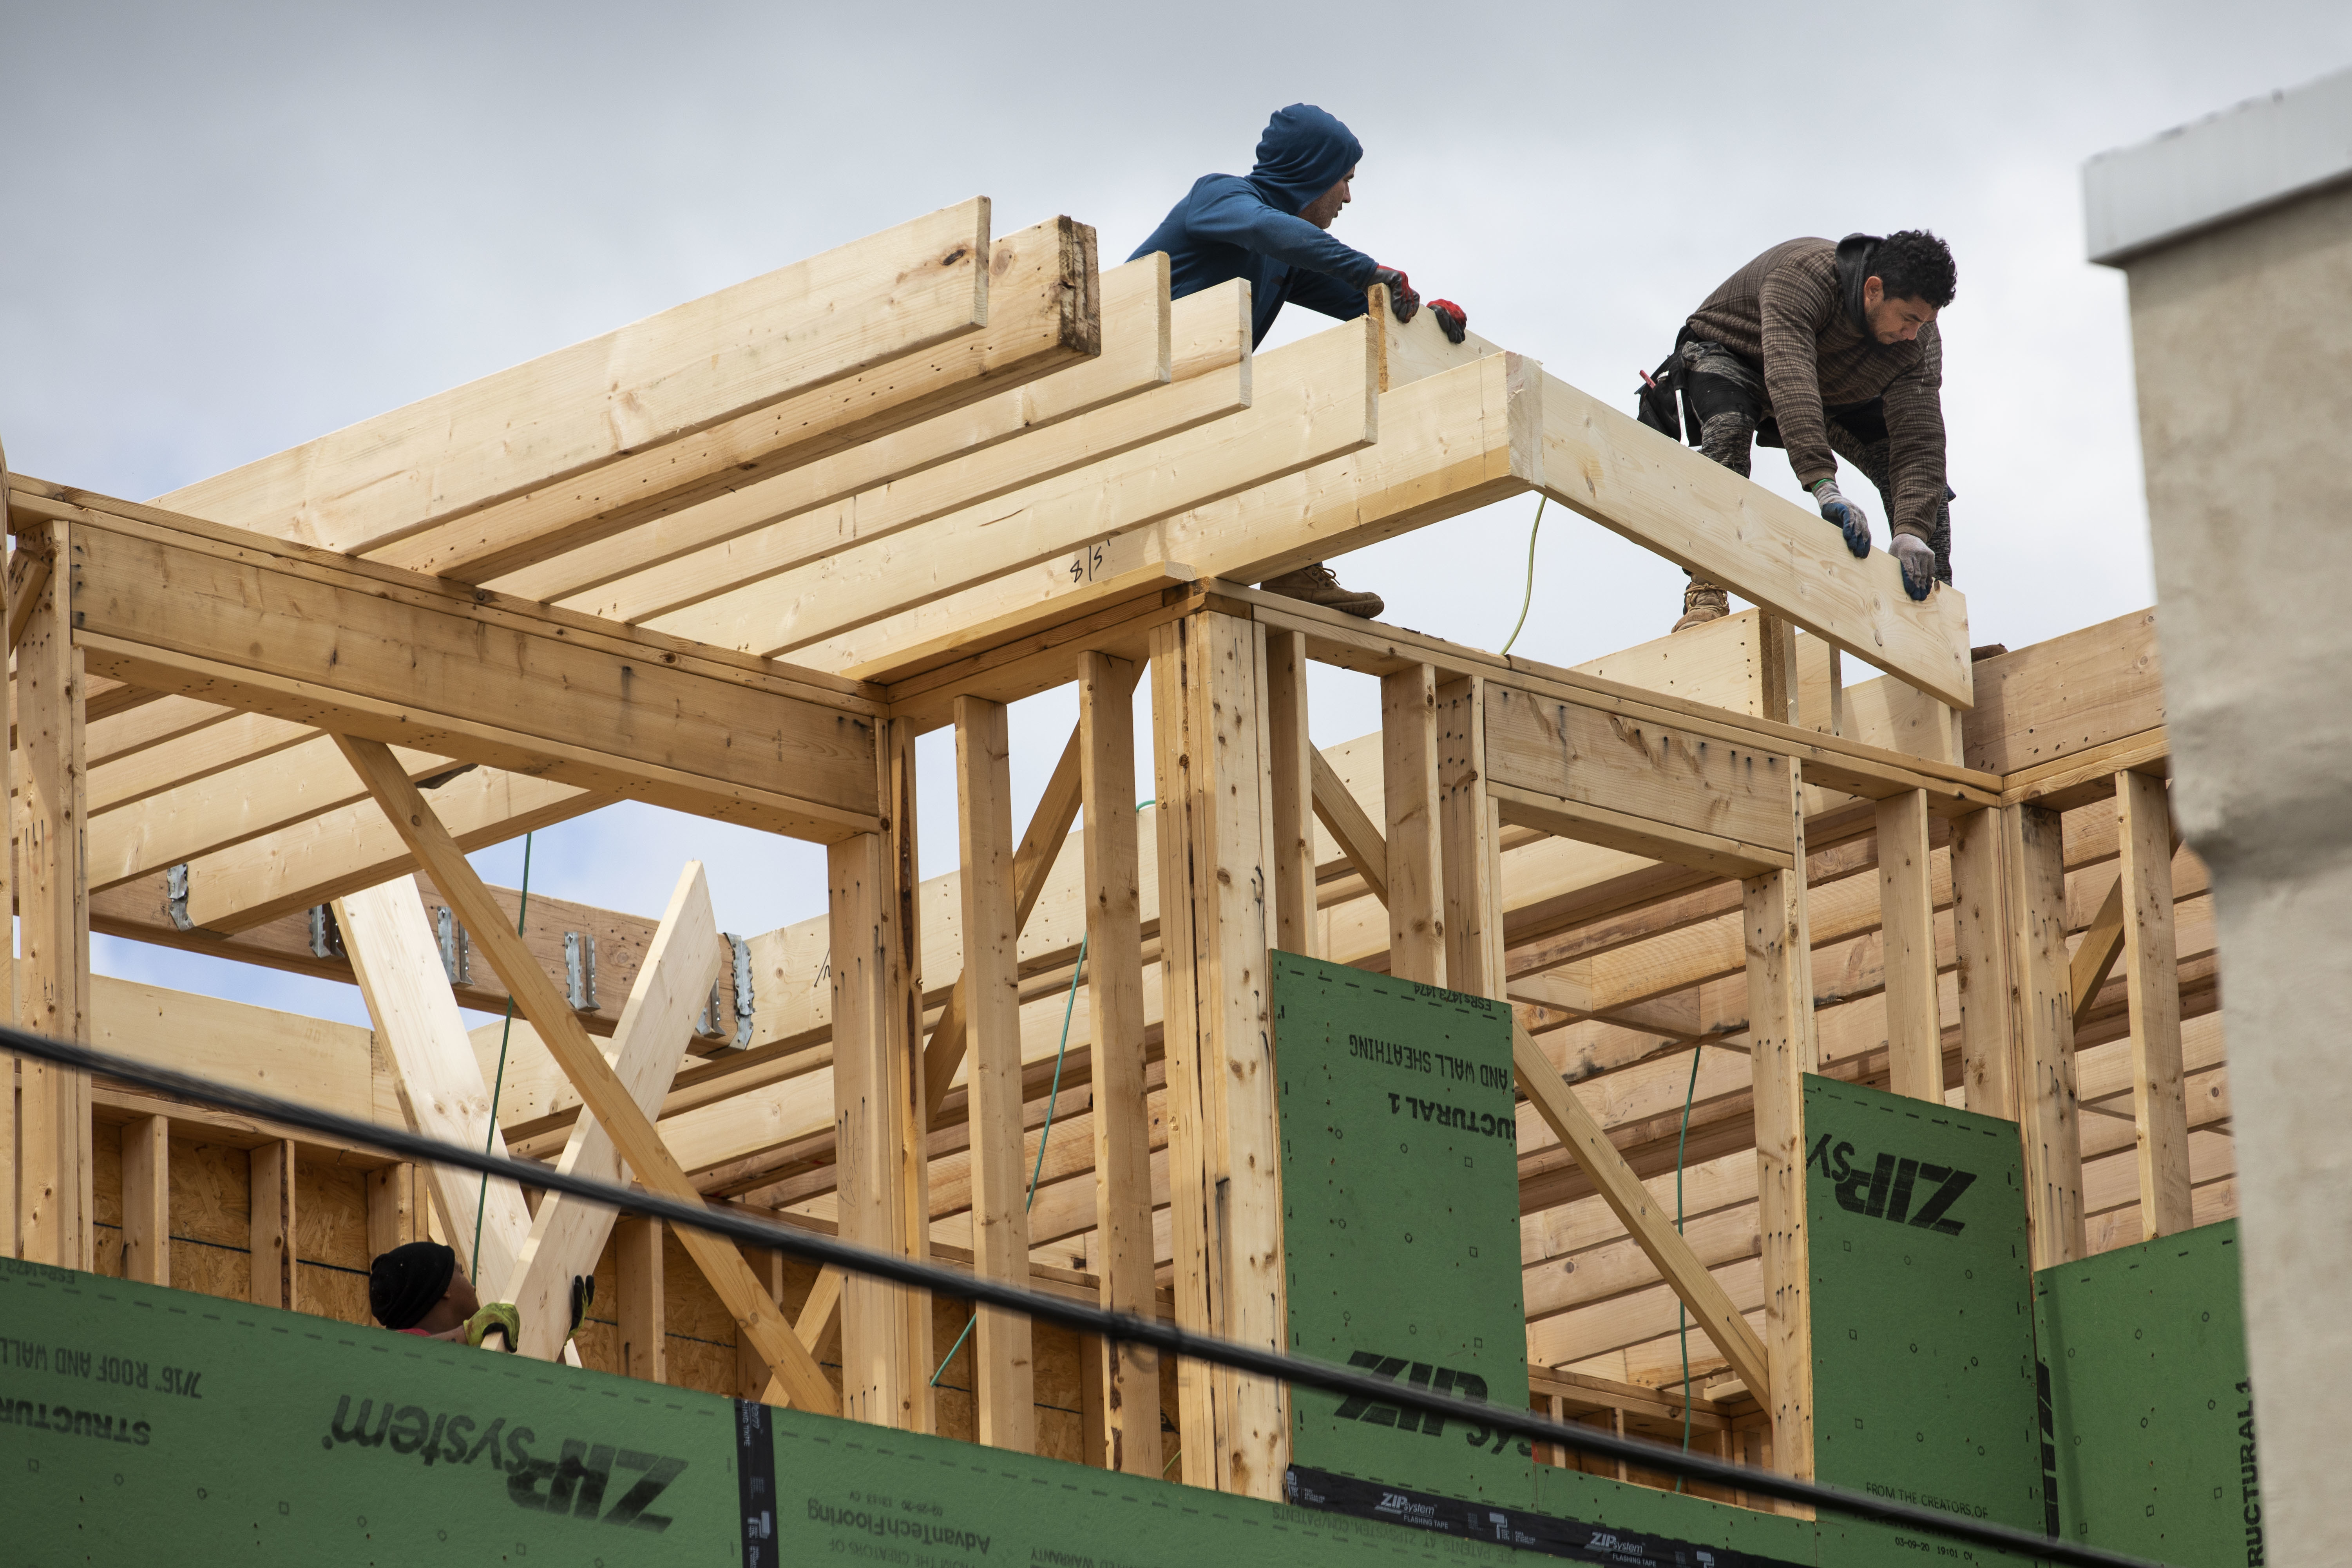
734	558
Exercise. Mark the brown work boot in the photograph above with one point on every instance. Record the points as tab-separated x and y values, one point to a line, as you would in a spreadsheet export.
1315	584
1703	603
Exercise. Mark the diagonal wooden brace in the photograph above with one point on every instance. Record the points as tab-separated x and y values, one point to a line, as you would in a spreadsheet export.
1583	1137
600	1090
567	1234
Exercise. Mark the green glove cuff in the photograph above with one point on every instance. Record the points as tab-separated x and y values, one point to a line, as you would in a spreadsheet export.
497	1317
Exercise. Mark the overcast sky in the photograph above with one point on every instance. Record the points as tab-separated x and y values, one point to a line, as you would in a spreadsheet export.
232	228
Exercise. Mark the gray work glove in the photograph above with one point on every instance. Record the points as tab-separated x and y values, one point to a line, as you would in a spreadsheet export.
1918	562
1851	518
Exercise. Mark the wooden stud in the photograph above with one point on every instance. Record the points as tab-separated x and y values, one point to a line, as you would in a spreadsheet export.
1409	771
54	1194
2103	944
886	1353
1049	829
2035	871
147	1200
1004	1378
1291	759
395	1208
1906	902
643	1308
397	962
273	1224
1986	965
1777	663
2152	988
1472	843
559	1029
1216	849
567	1234
1783	1048
1094	1415
1122	1113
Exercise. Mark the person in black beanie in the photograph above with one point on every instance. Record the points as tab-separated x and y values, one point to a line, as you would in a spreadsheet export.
418	1289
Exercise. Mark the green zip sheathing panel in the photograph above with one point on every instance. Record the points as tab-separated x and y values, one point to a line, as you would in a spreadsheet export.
1923	1330
1400	1221
138	1424
2150	1418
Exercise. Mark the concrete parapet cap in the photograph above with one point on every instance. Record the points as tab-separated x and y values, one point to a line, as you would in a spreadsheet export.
2260	153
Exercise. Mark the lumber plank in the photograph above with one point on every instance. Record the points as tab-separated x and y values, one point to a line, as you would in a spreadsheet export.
567	1234
2090	774
443	1092
1042	314
2152	987
1447	445
2034	873
1138	353
803	517
1121	1123
16	1141
1863	767
818	1312
873	1105
1650	488
1310	402
1350	826
273	1222
1216	848
2061	697
1643	770
919	286
235	737
55	1178
316	861
275	634
1631	834
2103	939
147	1199
1783	1048
1032	863
644	1306
222	807
151	725
1002	1369
1573	1124
1290	763
1986	961
1915	1033
538	999
1416	881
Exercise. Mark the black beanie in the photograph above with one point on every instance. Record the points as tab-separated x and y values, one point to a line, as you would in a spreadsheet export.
405	1282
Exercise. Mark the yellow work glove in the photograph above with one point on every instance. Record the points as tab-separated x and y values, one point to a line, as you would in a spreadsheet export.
497	1318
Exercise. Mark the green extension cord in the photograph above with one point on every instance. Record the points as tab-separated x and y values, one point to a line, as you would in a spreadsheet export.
1529	597
489	1144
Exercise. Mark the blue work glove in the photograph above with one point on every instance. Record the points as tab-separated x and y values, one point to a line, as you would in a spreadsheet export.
1918	562
1852	519
1402	299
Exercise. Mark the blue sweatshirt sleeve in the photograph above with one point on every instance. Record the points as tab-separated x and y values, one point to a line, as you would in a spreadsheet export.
1235	214
1322	292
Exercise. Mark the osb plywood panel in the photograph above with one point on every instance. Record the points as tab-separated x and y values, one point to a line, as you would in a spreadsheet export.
212	1191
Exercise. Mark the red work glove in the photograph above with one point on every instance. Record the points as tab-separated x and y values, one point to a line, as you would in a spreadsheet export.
1452	316
1402	299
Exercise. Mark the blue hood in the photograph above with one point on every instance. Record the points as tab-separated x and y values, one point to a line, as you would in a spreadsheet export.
1302	154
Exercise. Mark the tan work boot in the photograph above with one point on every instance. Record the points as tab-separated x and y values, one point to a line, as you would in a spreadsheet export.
1703	603
1315	584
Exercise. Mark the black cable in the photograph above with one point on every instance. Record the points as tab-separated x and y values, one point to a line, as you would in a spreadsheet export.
1123	1327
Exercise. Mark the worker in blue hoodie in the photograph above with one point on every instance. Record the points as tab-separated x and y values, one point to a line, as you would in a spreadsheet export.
1270	227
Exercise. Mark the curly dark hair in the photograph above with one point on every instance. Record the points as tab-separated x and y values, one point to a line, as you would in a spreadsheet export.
1913	263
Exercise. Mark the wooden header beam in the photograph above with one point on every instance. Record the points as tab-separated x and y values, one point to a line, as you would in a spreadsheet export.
177	605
